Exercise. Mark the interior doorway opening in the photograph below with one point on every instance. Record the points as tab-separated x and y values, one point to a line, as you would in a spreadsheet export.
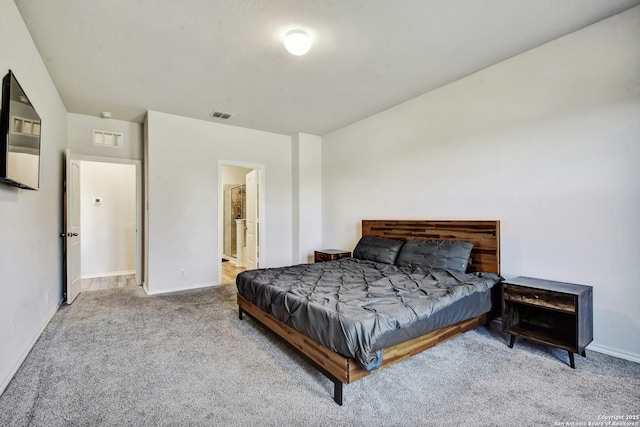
241	225
105	199
234	215
109	227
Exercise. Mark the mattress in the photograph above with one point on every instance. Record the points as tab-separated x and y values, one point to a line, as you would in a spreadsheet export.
358	307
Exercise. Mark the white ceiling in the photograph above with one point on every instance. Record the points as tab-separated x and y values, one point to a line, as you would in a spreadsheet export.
191	57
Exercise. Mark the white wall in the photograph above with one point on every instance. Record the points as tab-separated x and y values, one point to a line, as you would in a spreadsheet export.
30	221
306	158
81	129
547	142
108	238
182	179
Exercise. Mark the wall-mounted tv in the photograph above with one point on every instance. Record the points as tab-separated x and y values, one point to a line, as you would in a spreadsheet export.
20	127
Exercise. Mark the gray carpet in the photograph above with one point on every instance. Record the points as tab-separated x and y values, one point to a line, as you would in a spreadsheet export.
119	357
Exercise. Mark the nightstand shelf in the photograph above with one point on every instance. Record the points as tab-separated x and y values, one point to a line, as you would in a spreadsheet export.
554	313
330	255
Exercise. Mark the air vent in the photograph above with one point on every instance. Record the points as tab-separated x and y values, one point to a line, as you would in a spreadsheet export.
221	115
107	139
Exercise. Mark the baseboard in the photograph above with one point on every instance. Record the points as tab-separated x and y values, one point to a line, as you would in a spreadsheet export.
615	353
109	274
190	288
233	260
6	382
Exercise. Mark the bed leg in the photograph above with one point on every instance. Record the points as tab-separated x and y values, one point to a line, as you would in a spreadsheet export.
239	313
337	392
572	362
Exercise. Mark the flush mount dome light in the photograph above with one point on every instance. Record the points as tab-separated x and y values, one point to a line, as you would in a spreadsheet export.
297	42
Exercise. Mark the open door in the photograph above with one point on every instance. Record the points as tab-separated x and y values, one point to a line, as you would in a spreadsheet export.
72	228
252	260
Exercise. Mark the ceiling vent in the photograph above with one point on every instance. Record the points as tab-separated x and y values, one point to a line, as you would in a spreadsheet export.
221	115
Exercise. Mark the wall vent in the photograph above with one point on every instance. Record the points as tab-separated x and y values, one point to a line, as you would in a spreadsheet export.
221	115
103	138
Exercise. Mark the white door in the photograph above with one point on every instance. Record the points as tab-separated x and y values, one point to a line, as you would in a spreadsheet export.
72	228
252	183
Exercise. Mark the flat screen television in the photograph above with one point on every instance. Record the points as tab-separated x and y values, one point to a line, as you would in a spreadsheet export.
20	127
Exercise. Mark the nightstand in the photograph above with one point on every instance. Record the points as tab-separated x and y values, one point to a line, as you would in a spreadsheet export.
330	255
554	313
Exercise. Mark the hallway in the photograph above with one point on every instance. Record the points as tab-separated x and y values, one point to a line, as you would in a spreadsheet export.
109	282
229	273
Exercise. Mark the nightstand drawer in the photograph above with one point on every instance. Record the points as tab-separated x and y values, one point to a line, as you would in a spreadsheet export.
321	257
540	297
330	255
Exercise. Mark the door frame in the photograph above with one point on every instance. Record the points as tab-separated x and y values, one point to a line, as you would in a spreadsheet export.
261	209
138	164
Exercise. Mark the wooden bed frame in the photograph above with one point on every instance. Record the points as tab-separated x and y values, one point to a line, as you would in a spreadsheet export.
485	256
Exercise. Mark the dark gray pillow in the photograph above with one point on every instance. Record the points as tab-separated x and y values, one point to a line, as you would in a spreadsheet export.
378	249
449	254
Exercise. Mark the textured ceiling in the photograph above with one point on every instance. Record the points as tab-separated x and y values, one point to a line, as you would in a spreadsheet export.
191	57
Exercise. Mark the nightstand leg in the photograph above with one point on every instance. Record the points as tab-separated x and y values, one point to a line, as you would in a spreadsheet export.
571	361
513	339
584	353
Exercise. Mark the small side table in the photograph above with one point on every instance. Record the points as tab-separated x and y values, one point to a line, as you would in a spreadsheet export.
554	313
330	255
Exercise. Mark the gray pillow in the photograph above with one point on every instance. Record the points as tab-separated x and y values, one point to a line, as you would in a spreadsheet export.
448	254
378	249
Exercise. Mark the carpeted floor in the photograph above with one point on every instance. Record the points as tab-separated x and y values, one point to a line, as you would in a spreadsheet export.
119	357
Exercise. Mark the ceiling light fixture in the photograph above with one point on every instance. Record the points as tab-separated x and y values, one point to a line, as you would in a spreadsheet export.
106	115
297	42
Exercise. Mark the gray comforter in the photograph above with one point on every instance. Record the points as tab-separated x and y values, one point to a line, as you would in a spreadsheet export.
346	305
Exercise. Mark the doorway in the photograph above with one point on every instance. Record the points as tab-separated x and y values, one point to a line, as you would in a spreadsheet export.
109	211
240	224
234	217
108	222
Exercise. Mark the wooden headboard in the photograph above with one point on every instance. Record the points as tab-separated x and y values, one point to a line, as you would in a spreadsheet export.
485	236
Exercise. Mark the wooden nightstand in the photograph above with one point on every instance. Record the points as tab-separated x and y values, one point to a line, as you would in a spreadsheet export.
330	255
555	313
